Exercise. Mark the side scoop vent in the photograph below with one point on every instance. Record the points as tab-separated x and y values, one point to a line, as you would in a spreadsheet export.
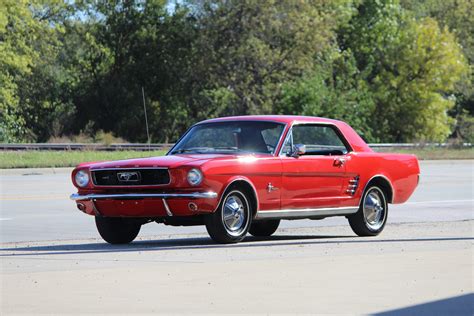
353	185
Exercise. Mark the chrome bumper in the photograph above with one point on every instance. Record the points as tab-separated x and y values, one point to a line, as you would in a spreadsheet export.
137	196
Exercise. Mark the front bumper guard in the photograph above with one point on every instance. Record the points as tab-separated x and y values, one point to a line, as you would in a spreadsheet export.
120	196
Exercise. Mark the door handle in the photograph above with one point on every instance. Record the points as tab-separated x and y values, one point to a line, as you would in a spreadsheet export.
339	162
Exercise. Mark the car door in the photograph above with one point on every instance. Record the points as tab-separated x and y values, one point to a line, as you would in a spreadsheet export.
315	178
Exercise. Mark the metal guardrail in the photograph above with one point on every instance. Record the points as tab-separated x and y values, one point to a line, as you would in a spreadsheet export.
419	145
148	147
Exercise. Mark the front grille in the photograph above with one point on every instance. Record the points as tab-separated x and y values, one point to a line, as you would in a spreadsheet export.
131	177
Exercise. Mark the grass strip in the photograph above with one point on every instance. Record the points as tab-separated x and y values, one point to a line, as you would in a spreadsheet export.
435	153
49	159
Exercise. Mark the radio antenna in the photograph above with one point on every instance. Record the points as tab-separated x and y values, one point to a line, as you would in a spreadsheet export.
146	119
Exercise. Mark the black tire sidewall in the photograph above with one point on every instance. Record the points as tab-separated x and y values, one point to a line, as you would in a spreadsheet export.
215	223
358	221
385	205
264	228
117	230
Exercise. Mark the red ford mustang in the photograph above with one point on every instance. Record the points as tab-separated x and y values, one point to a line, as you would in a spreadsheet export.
244	174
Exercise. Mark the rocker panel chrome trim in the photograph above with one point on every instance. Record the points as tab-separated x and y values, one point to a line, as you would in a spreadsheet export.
306	213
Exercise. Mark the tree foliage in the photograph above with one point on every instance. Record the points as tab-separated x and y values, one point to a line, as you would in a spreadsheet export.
29	47
395	71
411	67
457	17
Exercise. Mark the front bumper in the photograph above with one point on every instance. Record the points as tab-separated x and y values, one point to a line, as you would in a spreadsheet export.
139	196
146	204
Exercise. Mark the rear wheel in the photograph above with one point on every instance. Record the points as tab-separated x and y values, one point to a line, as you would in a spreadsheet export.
231	222
117	230
264	228
371	217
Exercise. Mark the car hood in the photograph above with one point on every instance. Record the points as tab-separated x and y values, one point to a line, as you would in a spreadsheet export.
171	161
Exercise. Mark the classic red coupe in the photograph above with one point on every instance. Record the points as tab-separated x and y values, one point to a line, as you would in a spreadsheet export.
245	174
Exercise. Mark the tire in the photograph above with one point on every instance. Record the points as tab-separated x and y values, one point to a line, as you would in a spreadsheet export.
232	220
372	215
117	230
264	228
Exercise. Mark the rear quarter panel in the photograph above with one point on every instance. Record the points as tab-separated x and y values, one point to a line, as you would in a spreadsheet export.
401	170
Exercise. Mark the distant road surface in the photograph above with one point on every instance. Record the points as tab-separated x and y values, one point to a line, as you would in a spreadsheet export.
53	261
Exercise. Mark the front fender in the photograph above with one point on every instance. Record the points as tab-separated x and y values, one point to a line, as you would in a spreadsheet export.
243	180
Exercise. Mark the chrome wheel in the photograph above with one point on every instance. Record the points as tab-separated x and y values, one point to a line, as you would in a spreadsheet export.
234	215
231	221
374	208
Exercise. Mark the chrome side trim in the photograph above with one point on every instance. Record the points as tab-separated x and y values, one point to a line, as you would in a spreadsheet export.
194	195
306	213
167	208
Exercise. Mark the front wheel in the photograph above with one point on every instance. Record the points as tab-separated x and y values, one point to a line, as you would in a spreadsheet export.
231	222
117	230
371	217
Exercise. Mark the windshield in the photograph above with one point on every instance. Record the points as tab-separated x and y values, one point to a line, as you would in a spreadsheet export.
231	137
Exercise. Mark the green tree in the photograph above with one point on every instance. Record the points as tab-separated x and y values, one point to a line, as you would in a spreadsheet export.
122	47
28	50
388	69
247	49
17	29
457	16
411	67
334	89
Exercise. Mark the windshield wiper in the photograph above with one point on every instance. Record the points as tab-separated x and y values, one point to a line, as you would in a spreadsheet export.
206	149
234	149
191	149
226	148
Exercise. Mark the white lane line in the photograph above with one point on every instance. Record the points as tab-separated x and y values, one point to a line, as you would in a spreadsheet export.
444	201
5	219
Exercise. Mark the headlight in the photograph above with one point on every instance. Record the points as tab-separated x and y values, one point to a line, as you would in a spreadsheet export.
82	178
194	177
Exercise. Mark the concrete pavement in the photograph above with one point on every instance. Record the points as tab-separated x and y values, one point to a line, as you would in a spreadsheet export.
300	270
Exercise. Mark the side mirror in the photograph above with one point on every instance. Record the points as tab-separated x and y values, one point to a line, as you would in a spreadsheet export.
298	150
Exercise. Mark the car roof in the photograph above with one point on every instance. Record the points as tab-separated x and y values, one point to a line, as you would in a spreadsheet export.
286	119
351	136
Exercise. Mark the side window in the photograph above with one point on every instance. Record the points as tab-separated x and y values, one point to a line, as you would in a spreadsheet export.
318	139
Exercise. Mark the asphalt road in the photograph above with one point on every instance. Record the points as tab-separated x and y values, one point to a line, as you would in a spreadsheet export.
52	260
35	204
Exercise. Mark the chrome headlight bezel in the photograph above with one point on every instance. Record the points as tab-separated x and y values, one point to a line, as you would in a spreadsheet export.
82	178
194	177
